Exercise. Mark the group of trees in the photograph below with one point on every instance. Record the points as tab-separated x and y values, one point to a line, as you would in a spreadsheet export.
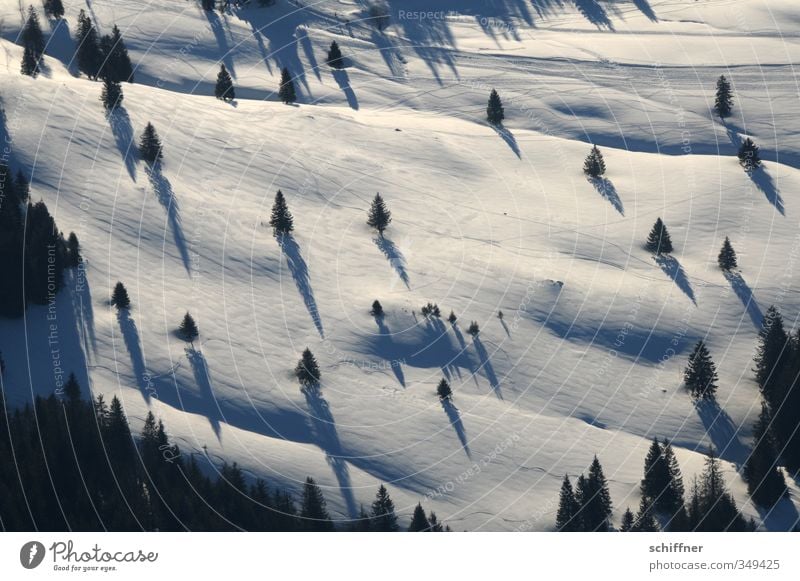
33	44
282	222
586	508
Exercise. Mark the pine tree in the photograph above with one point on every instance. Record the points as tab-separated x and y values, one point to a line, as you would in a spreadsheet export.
188	329
281	219
474	329
115	61
672	502
307	370
335	59
727	256
54	8
150	145
419	522
88	52
712	508
494	110
22	187
452	318
44	255
594	165
207	5
383	516
224	88
74	257
30	64
377	309
765	482
724	100
286	91
313	510
771	356
31	35
72	389
657	478
379	216
596	500
443	390
645	522
627	521
567	519
749	157
659	241
700	376
120	299
111	95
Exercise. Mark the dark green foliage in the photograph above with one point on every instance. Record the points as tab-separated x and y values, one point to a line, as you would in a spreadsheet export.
567	516
286	91
313	512
31	35
452	318
188	329
594	499
662	485
116	63
700	376
120	299
711	507
724	99
594	165
54	8
111	95
419	522
45	255
23	187
474	329
150	145
307	370
771	356
88	53
765	482
727	256
281	219
383	518
74	257
377	309
335	59
645	522
30	64
431	310
12	299
436	526
659	241
494	110
224	88
627	521
749	157
657	477
71	389
207	5
443	390
379	216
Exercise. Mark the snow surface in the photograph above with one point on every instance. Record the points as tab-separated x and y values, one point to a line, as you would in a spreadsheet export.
589	356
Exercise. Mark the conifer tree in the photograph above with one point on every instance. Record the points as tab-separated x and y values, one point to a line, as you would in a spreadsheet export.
724	100
443	390
452	318
474	329
88	52
765	482
115	61
377	309
419	522
307	370
119	298
74	257
436	526
313	510
596	500
627	521
150	145
594	165
208	5
379	216
645	522
22	187
383	516
714	509
494	110
224	88
188	329
657	478
659	241
31	35
749	157
771	356
700	375
30	64
727	256
281	219
44	255
672	502
335	59
54	8
72	389
286	91
567	519
111	95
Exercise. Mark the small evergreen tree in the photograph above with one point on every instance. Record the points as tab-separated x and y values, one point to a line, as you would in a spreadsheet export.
31	35
188	329
22	187
659	241
712	508
74	257
443	390
771	356
313	509
595	500
377	309
567	515
120	299
419	522
281	219
452	318
384	518
749	157
700	376
88	52
379	216
111	95
727	256
645	522
627	521
335	58
594	165
657	478
224	88
307	370
286	91
494	110
30	64
671	502
473	329
765	482
724	100
54	8
150	145
115	61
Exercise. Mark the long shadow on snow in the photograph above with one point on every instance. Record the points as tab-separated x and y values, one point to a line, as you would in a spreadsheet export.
764	182
396	366
122	131
782	517
673	269
594	13
61	46
509	138
78	283
722	431
324	428
305	42
133	343
645	8
218	29
394	256
343	80
299	269
166	197
454	415
203	379
487	367
606	188
745	294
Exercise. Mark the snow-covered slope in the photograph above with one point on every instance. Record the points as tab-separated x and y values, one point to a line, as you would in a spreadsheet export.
588	357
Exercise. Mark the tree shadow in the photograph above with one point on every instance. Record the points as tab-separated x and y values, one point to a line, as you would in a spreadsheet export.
203	379
78	283
327	437
122	130
505	328
745	294
394	256
606	188
673	269
594	13
454	415
130	334
390	54
218	29
305	42
343	80
764	182
396	366
61	46
509	138
166	197
645	8
487	367
722	431
299	269
782	517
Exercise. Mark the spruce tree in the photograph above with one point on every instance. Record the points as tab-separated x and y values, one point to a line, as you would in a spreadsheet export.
281	219
188	329
474	329
700	375
596	500
22	187
30	64
594	165
286	91
627	521
111	95
714	509
44	255
335	59
727	256
313	510
122	61
377	309
31	35
224	88
659	241
74	257
765	482
54	8
307	370
443	390
657	478
88	52
494	110
419	522
452	318
645	522
672	502
150	145
383	516
724	100
379	216
120	299
771	356
567	519
748	155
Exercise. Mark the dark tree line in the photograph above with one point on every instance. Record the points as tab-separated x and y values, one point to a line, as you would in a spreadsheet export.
103	58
